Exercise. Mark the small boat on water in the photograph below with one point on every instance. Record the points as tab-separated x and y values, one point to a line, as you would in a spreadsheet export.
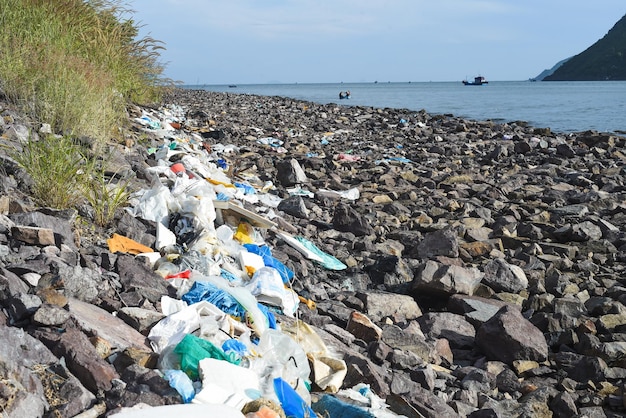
478	81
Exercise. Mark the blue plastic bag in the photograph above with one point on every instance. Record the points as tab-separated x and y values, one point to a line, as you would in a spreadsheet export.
264	251
291	402
179	380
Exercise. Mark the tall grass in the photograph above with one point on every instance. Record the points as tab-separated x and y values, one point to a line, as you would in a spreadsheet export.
76	64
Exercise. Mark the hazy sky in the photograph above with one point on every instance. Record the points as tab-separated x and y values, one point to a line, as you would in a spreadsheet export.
310	41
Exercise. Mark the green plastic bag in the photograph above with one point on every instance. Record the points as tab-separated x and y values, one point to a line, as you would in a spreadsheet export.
192	349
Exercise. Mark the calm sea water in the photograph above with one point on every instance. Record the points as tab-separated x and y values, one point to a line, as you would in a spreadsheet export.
560	106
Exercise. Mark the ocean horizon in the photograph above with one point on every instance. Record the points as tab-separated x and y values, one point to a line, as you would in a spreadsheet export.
562	106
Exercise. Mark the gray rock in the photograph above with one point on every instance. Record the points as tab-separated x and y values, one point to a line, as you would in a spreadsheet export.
581	368
444	242
31	367
137	276
454	328
563	405
59	222
379	305
290	173
391	271
508	336
346	219
140	319
424	401
294	206
50	315
433	277
477	310
504	277
396	338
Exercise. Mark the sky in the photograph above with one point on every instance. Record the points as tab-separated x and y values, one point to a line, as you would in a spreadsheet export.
332	41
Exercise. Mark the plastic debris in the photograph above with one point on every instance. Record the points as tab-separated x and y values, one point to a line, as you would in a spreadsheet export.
327	260
122	244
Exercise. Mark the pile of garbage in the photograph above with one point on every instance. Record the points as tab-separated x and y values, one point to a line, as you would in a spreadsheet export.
232	335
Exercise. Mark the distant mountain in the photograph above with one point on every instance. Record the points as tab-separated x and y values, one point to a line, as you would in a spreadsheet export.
550	71
604	60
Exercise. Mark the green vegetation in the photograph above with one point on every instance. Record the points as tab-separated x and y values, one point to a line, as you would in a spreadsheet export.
65	175
76	64
105	196
56	167
604	60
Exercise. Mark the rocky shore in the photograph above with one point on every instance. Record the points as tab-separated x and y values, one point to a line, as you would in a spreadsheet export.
482	263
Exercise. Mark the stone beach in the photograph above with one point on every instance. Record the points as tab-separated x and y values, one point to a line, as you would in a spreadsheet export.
483	262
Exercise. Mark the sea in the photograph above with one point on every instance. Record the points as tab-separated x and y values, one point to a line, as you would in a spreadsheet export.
562	106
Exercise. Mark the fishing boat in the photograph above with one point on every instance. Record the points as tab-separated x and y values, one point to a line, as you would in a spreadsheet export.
478	81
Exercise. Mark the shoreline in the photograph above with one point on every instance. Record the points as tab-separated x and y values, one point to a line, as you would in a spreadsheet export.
546	105
483	262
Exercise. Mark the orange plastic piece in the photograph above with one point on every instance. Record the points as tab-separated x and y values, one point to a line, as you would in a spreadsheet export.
122	244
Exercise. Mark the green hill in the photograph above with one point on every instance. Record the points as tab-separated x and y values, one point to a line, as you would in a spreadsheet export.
604	60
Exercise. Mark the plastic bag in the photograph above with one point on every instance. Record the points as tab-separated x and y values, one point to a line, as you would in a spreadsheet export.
264	251
280	356
182	383
266	284
226	383
255	318
328	261
192	349
329	369
205	291
291	402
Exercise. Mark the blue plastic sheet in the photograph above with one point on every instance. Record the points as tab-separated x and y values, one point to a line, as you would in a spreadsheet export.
236	347
271	318
336	408
328	261
264	251
229	276
208	292
291	402
247	189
